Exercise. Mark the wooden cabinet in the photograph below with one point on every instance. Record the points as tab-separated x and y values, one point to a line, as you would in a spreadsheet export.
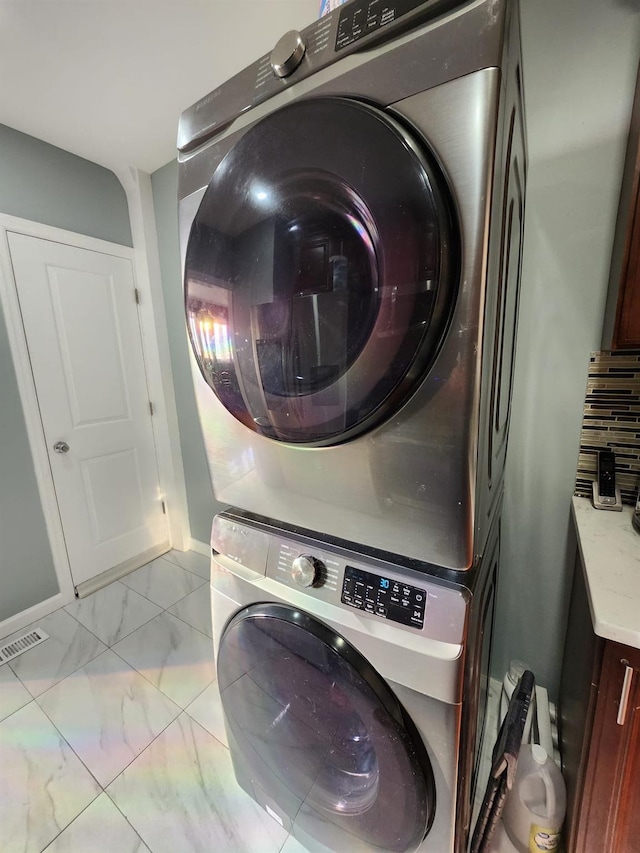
600	734
625	261
627	329
609	812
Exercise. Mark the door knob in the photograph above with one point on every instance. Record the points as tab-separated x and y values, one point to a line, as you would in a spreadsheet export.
61	447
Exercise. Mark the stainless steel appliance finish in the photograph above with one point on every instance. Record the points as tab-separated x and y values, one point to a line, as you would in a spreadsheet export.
370	402
354	707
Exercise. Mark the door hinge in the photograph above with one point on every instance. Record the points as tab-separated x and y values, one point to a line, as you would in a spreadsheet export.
151	409
137	295
164	507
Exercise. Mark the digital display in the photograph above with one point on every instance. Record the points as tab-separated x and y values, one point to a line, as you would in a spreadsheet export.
384	597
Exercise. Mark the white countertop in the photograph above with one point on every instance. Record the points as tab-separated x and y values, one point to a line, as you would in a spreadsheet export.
610	550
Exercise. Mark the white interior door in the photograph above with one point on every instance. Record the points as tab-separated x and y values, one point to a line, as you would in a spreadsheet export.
81	324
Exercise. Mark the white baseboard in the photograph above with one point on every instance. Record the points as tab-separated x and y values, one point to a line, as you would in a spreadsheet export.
105	578
200	547
32	614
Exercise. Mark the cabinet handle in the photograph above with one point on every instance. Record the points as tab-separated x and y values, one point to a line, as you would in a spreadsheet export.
626	692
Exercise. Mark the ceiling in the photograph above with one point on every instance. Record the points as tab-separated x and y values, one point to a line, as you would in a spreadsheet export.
108	79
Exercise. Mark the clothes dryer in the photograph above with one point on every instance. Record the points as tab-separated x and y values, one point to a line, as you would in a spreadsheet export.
353	688
351	213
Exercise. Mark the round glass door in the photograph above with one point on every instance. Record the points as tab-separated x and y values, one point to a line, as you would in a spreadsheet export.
320	272
311	723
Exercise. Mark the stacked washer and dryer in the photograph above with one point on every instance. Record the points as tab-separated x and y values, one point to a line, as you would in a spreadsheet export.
351	214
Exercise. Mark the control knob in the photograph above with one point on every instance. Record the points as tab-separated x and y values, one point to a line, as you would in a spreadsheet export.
306	570
287	54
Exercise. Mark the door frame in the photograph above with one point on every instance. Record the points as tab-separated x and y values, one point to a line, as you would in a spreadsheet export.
156	357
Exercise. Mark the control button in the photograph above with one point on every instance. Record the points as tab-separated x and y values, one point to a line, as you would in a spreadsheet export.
287	54
381	610
405	602
306	570
369	607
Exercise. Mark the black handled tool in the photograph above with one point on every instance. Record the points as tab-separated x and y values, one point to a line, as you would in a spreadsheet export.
504	761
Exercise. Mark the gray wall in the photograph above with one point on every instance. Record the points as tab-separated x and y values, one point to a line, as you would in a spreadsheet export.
580	60
26	564
45	184
202	505
41	182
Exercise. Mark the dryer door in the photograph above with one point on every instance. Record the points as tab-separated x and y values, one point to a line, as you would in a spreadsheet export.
321	270
317	736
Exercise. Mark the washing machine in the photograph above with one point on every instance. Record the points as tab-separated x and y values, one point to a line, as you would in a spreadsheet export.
353	687
351	216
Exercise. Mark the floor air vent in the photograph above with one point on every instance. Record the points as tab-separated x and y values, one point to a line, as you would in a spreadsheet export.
22	644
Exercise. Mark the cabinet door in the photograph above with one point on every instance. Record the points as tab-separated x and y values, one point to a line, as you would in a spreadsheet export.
626	251
627	329
610	818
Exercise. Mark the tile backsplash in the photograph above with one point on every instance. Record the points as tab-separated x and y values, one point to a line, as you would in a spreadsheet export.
612	420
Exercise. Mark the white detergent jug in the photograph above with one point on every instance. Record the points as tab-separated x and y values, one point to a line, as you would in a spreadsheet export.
535	807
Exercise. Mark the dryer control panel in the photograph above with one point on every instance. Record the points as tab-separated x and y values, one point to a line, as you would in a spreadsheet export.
297	55
364	18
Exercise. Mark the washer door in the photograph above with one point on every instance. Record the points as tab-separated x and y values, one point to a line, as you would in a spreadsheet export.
320	272
314	730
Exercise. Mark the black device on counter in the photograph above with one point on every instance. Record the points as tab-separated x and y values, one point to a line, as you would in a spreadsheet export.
606	494
606	474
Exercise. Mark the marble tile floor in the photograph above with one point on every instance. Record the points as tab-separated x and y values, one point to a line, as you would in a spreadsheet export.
111	734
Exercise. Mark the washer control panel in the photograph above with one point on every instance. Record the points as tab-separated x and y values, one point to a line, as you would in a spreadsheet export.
391	599
411	600
336	577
